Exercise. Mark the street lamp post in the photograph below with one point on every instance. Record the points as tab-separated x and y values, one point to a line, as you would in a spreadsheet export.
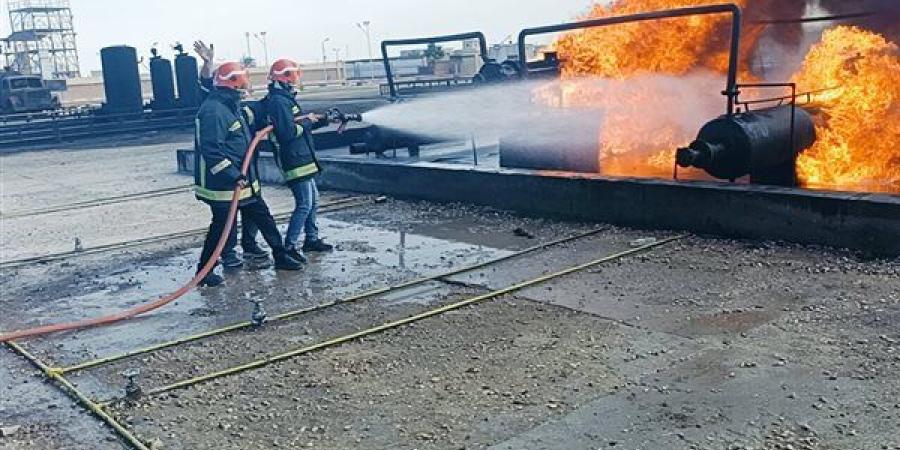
249	50
261	37
364	27
337	63
325	57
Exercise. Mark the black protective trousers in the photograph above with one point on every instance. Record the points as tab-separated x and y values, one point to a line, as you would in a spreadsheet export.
256	212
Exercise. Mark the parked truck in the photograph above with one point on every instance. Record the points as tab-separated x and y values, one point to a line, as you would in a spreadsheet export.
25	93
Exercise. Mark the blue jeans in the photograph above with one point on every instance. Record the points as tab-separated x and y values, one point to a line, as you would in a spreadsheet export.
306	198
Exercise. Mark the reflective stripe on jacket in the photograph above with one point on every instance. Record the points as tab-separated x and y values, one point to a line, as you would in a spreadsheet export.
292	138
222	138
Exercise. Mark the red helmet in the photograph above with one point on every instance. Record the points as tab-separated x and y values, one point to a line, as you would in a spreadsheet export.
286	71
232	75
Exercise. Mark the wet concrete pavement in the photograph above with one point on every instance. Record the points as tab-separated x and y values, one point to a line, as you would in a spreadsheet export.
366	258
701	344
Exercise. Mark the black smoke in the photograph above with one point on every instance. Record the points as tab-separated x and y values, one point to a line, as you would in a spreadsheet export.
883	15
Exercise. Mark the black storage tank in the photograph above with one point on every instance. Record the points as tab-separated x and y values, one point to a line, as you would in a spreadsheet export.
163	80
121	80
379	140
188	75
755	143
554	139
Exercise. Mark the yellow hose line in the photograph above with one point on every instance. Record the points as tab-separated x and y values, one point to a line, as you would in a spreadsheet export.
428	314
78	396
327	207
299	312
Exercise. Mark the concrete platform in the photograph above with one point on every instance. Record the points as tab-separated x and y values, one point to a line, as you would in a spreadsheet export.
704	343
863	222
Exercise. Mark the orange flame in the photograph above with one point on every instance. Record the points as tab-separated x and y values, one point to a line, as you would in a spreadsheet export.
648	112
670	46
859	138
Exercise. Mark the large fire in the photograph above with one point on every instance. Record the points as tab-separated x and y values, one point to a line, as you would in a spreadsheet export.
859	139
669	46
658	82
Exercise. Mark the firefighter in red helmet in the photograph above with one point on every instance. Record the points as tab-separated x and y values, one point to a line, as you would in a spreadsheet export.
255	117
222	139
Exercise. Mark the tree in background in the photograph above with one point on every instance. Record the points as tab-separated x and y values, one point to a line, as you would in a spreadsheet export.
433	54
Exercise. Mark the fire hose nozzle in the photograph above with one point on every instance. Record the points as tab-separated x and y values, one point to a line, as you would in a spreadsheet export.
337	116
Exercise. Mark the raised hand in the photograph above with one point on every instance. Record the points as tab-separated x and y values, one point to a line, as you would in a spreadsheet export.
206	52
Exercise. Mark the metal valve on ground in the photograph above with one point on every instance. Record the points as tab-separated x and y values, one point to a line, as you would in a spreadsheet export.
258	317
133	390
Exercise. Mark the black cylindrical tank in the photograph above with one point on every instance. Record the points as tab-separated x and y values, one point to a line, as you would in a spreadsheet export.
163	80
555	139
188	75
379	140
755	143
121	80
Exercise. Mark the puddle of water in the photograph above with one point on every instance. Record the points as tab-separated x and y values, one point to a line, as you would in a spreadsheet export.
365	258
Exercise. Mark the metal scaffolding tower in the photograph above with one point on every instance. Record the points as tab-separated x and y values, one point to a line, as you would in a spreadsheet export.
42	39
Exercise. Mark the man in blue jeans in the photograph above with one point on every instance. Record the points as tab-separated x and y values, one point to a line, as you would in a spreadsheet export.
222	139
296	155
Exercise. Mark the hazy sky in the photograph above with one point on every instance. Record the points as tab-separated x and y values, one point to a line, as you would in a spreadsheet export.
296	28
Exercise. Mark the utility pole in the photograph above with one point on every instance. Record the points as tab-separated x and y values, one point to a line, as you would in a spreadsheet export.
364	27
325	57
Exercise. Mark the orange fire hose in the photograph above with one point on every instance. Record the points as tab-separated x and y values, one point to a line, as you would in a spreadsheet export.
165	300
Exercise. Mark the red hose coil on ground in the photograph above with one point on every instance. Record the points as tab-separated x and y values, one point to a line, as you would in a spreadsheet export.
165	300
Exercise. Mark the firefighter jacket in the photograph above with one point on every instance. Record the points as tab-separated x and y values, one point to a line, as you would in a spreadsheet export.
223	136
292	139
253	111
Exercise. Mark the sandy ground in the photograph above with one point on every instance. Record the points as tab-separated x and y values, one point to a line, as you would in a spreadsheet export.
702	344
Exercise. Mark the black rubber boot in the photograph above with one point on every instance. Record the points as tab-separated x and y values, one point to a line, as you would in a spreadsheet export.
285	262
232	261
256	253
212	280
317	246
297	255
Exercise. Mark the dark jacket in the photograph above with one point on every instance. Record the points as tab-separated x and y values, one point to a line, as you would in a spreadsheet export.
253	111
292	139
222	138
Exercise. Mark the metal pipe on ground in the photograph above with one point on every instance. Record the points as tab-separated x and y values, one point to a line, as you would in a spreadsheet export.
409	320
351	299
66	386
337	205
